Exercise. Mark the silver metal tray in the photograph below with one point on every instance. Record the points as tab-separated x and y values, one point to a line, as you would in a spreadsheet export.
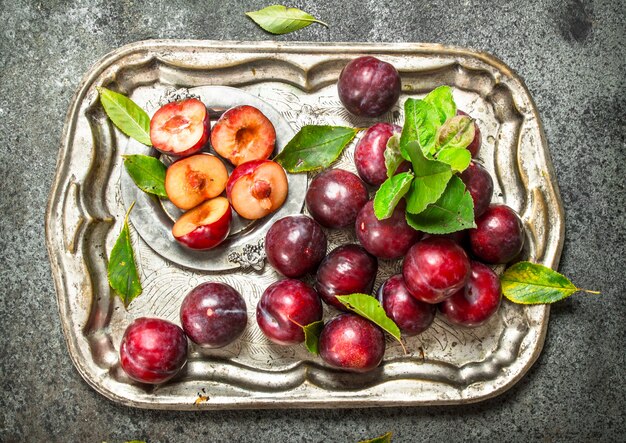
446	364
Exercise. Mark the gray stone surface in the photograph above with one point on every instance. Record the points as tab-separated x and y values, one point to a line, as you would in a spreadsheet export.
572	55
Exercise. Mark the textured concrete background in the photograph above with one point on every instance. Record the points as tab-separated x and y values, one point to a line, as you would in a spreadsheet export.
572	55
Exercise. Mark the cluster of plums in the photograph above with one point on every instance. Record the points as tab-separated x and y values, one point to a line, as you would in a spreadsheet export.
438	271
245	137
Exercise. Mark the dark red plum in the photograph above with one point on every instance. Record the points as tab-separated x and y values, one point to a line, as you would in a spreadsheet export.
295	245
285	307
346	270
369	154
473	305
412	316
153	350
498	236
352	343
480	186
474	146
213	314
434	269
388	239
335	197
368	87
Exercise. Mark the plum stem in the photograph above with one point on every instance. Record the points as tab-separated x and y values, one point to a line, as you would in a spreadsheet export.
588	291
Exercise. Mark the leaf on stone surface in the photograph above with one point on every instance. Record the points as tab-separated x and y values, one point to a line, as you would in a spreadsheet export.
393	155
441	99
315	147
121	269
532	283
279	19
368	307
147	172
126	115
458	158
385	438
431	179
390	193
454	211
312	333
421	121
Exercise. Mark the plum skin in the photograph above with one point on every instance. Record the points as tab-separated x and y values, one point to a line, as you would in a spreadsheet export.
473	305
368	87
295	245
284	308
369	154
346	270
352	343
434	269
153	350
213	314
387	239
480	186
411	315
499	235
335	197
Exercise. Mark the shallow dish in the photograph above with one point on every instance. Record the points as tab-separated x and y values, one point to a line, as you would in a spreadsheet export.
446	364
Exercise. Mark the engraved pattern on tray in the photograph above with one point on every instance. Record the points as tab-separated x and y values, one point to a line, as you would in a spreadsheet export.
446	364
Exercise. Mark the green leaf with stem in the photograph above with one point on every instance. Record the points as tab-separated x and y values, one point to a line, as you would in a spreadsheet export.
121	269
389	194
278	19
147	172
421	121
312	333
454	211
126	115
441	99
532	283
315	147
431	179
368	307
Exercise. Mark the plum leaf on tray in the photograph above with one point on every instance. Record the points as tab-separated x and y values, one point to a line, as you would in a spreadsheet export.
126	115
121	269
315	147
147	172
431	178
390	193
454	211
368	307
443	102
312	333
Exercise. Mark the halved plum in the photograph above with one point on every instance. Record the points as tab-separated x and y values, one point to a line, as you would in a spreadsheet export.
257	188
180	128
205	226
192	180
243	134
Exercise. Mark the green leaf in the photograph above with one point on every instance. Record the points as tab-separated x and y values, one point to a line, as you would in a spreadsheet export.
121	270
126	115
532	283
454	211
315	147
393	155
442	100
147	172
421	121
458	158
431	178
279	19
386	438
312	333
368	307
456	132
390	193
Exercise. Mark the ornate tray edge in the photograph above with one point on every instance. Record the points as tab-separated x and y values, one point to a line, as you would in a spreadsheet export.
278	47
